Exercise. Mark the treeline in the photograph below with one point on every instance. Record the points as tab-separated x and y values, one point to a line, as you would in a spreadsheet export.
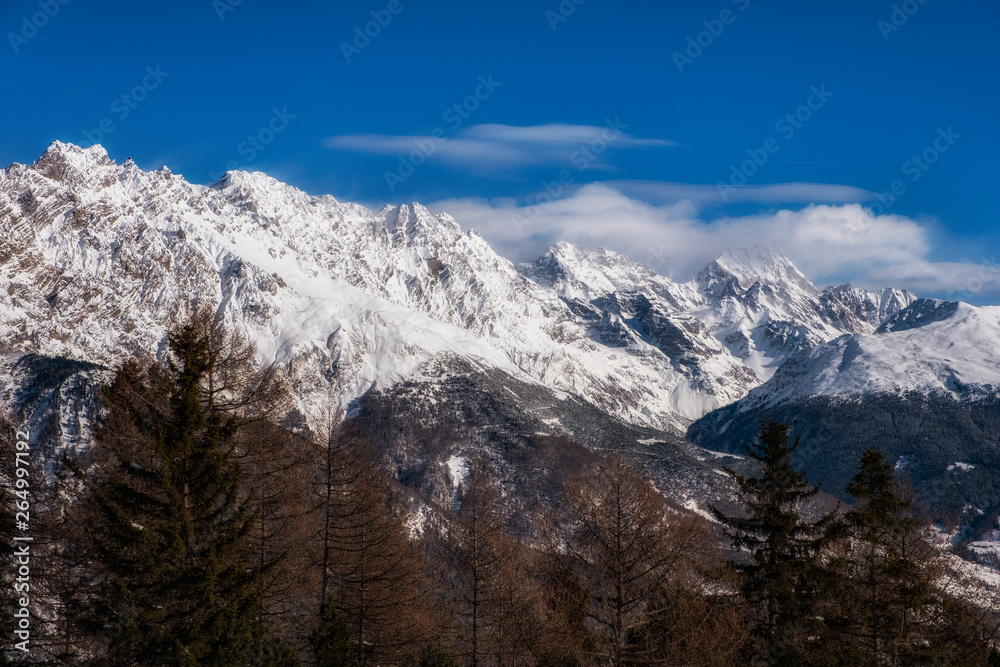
208	529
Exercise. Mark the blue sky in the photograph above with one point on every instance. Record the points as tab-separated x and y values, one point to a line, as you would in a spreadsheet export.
664	130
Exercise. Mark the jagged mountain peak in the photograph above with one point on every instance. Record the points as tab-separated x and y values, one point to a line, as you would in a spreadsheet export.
61	160
414	219
248	181
752	255
845	289
893	299
71	151
265	196
856	310
764	308
581	273
763	264
571	252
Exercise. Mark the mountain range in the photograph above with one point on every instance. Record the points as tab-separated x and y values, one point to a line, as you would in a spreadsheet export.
440	348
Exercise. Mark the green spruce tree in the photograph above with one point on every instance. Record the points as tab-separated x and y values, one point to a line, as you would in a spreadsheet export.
272	652
173	580
885	589
331	641
432	655
783	579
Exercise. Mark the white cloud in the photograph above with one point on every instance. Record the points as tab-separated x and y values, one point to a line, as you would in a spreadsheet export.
830	243
494	146
778	193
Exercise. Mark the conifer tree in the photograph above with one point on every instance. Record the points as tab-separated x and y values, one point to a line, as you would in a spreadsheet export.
432	655
331	640
784	579
890	610
888	586
493	602
368	562
273	652
174	581
624	543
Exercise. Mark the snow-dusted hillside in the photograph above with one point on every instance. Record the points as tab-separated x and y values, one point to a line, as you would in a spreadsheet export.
98	260
932	346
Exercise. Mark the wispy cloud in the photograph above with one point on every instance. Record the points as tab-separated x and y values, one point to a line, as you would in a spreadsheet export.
657	192
494	146
830	243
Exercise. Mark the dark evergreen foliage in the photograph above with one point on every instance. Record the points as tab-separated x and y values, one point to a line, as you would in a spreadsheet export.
432	655
331	641
783	580
173	580
888	607
273	652
891	588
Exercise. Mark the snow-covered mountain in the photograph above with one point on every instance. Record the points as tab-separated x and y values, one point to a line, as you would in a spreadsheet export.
930	347
752	305
924	388
98	260
440	349
763	308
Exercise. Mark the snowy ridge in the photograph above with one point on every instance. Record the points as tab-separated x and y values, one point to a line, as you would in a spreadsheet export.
742	315
102	276
929	347
98	260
